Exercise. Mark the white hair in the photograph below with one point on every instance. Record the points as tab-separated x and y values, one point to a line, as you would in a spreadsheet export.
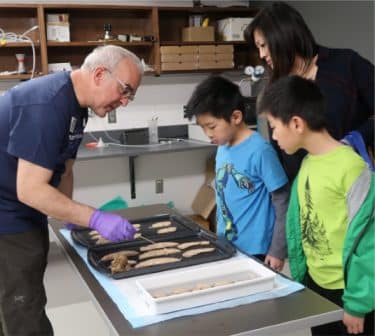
109	56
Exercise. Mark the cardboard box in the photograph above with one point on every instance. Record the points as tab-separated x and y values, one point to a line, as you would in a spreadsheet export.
193	49
204	223
216	49
216	64
205	200
201	34
179	58
215	57
179	66
232	29
62	17
58	31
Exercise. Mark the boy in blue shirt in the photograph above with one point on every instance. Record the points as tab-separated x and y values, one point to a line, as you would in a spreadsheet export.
330	222
251	186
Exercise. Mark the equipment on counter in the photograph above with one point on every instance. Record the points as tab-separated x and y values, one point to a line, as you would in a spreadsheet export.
107	32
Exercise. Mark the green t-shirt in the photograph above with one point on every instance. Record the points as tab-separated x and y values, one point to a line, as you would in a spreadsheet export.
323	184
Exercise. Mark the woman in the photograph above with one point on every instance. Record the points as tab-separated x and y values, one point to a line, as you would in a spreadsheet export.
346	79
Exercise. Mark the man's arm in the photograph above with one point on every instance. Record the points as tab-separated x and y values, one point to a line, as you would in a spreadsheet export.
66	183
34	190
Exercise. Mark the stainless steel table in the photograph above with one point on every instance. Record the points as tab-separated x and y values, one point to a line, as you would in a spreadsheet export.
282	315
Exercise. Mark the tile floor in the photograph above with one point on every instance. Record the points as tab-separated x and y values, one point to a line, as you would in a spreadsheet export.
71	307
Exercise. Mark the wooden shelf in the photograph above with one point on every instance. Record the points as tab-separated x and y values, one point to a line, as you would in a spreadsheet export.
19	45
170	43
23	76
86	23
97	43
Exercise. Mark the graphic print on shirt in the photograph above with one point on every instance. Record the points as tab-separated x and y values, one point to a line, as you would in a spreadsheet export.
243	182
312	229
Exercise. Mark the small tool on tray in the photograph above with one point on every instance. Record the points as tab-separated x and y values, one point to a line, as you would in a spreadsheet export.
146	239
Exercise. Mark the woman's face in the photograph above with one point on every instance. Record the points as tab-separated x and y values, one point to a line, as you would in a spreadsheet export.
261	44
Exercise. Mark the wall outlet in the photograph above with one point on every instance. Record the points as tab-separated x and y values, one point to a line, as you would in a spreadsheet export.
159	188
112	117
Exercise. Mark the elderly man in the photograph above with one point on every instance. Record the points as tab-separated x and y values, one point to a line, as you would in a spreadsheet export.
41	127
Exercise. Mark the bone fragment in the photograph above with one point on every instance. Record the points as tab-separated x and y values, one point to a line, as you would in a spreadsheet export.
166	230
157	246
158	253
194	252
159	225
184	246
156	261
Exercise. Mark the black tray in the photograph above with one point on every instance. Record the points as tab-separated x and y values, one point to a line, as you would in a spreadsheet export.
185	227
223	250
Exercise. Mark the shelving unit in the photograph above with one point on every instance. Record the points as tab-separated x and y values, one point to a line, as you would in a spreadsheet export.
86	23
178	18
17	19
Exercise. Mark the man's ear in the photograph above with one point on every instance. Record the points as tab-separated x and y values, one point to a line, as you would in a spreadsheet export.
98	74
236	117
297	124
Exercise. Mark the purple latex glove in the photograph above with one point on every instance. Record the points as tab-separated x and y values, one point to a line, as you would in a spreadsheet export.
71	226
111	226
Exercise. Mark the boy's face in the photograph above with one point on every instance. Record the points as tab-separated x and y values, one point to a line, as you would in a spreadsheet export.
219	130
286	135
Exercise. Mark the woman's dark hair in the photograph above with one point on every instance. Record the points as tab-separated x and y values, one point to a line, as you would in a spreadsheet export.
217	96
295	96
286	35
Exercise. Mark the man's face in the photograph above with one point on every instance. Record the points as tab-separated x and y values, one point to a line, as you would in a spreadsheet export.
219	131
115	88
286	135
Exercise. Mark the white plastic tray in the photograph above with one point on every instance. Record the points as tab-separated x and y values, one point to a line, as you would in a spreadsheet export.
209	283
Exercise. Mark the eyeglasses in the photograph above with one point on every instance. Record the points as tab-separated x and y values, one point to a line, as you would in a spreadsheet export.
127	90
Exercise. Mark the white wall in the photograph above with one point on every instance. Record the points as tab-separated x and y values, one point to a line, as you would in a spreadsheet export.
98	181
341	24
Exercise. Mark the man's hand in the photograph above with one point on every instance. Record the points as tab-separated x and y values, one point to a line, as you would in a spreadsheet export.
111	226
354	325
275	263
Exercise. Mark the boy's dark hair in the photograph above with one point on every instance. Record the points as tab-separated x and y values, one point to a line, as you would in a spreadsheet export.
217	96
295	96
287	36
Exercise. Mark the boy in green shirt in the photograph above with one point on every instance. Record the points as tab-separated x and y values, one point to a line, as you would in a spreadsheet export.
330	222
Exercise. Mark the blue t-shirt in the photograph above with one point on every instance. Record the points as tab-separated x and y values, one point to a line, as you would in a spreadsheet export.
246	174
41	122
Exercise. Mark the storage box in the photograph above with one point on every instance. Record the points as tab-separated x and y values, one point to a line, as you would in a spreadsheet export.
201	34
232	29
216	49
215	57
165	58
62	17
205	201
216	64
179	66
193	49
207	284
58	31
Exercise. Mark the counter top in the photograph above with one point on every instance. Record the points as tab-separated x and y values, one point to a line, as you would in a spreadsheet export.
282	315
113	150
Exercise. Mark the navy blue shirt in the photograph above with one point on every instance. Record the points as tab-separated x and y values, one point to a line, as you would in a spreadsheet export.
347	83
41	122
